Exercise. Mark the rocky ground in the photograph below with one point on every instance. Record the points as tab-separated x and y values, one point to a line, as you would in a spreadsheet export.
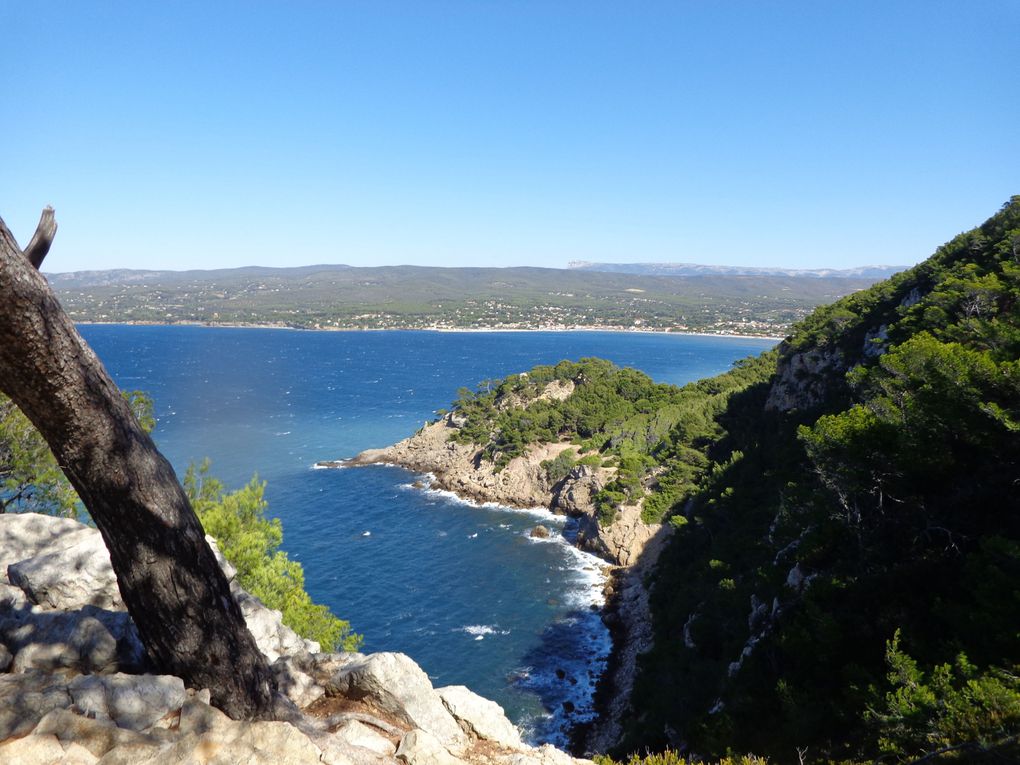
75	685
629	543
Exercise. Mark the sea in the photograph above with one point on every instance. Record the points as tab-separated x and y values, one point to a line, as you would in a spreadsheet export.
462	588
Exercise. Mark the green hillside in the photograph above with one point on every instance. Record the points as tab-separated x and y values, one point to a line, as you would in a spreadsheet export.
843	583
862	514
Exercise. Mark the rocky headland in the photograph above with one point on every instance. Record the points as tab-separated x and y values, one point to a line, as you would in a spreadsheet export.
76	686
628	544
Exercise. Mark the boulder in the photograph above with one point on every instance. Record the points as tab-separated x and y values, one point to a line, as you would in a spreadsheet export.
43	750
96	736
134	702
359	734
25	699
12	597
479	716
258	743
421	748
70	577
577	492
295	683
394	683
540	532
88	640
272	636
25	535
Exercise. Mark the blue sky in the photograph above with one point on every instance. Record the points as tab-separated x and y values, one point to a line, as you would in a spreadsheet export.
799	134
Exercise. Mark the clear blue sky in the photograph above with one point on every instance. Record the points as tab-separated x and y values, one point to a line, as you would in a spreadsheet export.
214	134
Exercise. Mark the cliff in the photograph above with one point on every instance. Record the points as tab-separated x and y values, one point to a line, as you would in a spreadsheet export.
74	686
522	482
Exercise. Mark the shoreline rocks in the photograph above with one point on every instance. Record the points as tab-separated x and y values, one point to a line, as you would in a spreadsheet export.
628	543
67	696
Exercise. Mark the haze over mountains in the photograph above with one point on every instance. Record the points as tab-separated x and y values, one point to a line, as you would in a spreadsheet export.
695	269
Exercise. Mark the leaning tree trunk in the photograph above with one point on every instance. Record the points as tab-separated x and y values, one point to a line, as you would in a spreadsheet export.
169	579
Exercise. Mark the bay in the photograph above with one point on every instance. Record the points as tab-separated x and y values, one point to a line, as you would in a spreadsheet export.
462	589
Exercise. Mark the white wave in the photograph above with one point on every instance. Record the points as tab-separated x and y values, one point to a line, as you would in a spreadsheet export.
479	631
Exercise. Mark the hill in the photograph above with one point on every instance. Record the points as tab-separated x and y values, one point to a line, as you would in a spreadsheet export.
841	578
412	297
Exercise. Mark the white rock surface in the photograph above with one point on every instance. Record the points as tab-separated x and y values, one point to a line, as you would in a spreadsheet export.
134	702
69	578
479	716
359	734
422	748
394	683
25	535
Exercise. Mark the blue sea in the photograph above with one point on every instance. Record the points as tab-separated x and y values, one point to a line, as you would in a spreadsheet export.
462	589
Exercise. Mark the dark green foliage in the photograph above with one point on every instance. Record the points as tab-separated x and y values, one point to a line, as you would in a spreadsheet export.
952	708
656	436
812	536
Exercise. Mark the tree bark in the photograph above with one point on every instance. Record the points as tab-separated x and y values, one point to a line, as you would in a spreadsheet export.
174	590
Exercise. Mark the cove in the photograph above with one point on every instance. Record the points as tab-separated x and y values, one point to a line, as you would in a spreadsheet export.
462	589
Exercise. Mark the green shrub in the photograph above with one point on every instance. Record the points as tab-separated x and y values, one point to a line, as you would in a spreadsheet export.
251	542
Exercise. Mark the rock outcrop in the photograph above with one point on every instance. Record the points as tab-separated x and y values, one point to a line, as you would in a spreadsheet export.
523	482
73	688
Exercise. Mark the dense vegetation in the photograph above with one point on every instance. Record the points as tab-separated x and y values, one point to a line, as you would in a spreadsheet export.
31	481
412	297
654	437
843	582
847	582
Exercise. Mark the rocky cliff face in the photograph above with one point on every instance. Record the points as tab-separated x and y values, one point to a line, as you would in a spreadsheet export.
74	687
804	378
522	483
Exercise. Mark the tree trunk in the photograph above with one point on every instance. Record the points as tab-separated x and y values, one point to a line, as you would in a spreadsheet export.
168	577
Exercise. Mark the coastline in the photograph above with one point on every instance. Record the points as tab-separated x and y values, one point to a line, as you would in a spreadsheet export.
437	328
627	549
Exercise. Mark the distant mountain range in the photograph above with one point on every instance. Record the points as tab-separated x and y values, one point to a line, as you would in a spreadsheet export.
419	297
694	269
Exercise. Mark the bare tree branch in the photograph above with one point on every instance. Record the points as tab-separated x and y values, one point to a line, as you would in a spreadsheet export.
42	239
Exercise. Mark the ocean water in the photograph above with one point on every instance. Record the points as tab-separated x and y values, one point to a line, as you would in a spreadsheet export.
461	588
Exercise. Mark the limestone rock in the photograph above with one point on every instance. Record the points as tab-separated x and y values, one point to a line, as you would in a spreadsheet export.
41	750
623	541
71	577
96	736
272	636
25	535
88	640
25	699
134	702
399	686
804	378
12	597
479	716
295	683
577	492
421	748
359	734
5	658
